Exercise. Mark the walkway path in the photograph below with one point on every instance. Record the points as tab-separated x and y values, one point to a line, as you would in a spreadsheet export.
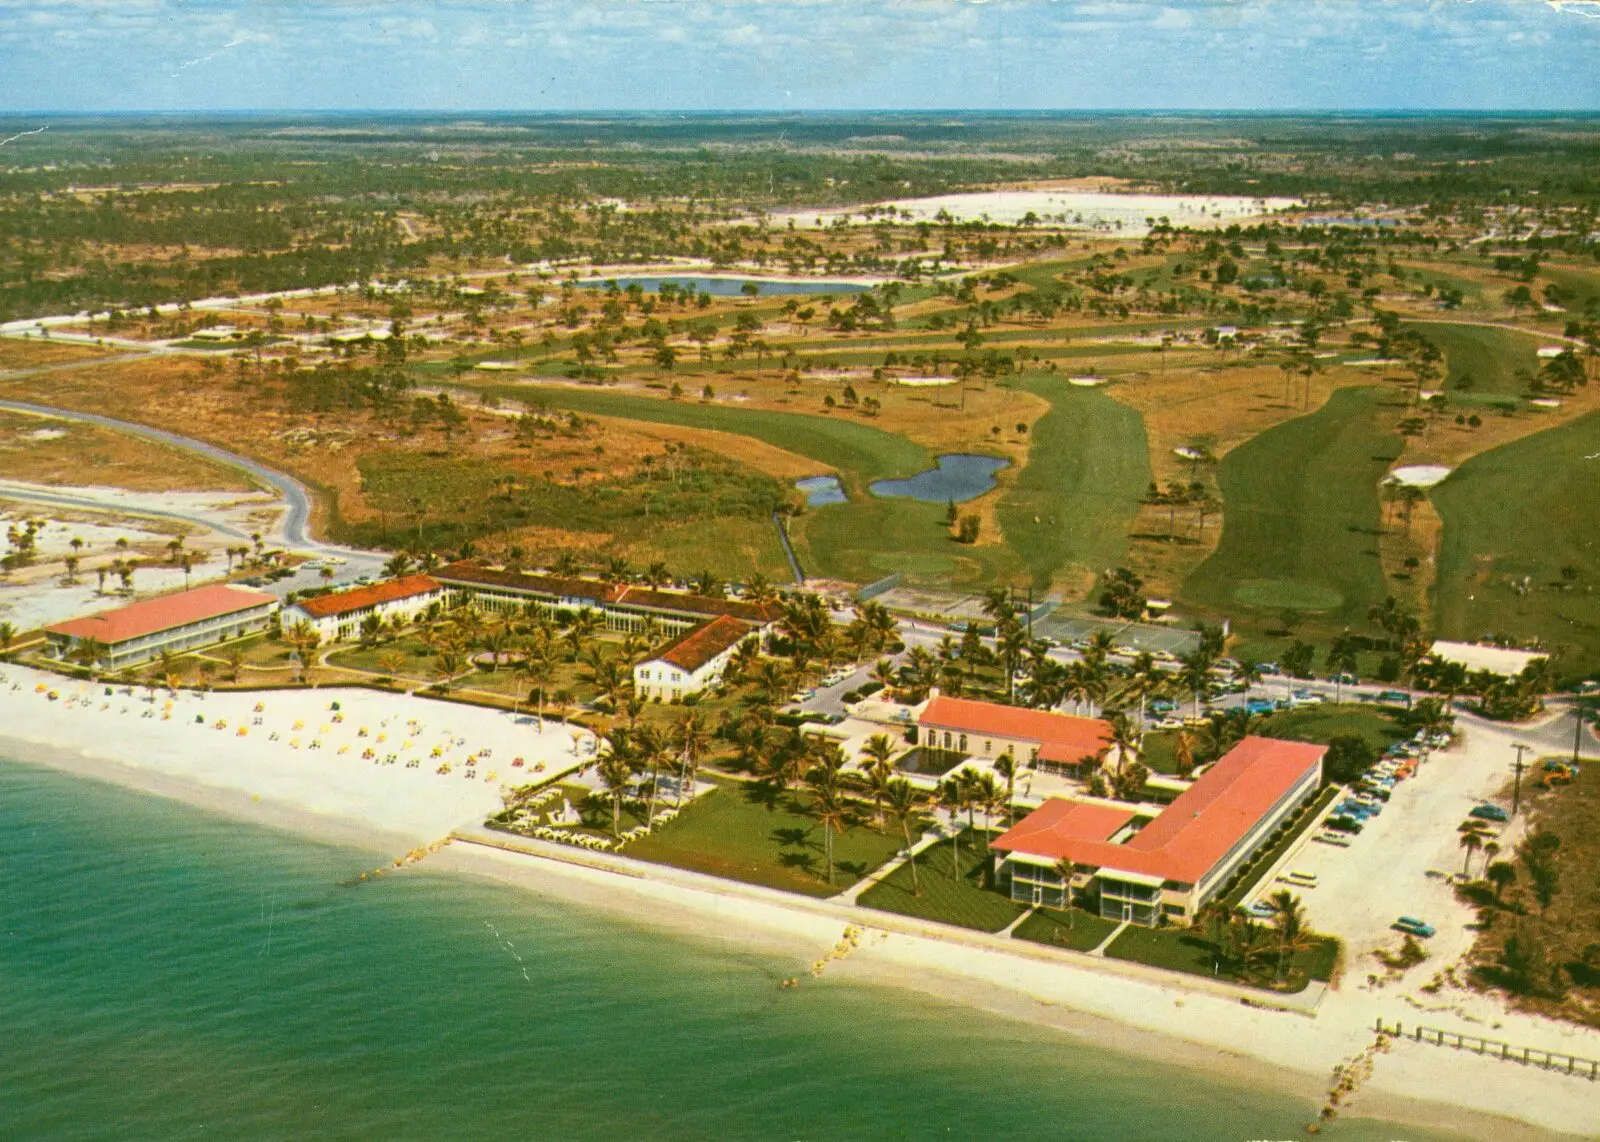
1099	950
851	894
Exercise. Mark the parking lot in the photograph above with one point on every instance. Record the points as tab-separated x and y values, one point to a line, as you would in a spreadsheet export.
1383	875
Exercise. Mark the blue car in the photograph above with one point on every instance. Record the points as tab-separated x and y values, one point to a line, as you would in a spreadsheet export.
1414	927
1490	813
1260	705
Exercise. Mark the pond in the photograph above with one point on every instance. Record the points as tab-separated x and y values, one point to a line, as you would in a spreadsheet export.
821	490
731	287
930	762
960	476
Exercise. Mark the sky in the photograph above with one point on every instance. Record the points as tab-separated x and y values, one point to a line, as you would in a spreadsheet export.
701	55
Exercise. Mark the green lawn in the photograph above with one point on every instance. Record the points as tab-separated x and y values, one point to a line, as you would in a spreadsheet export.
1525	511
865	452
1079	930
1321	723
1071	506
1482	358
1186	950
419	656
730	548
1302	515
963	900
1160	751
740	832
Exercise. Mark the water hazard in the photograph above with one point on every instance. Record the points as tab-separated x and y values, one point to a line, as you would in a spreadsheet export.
960	476
821	490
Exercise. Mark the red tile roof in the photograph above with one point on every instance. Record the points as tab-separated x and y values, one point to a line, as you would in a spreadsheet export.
1061	737
153	616
1191	835
470	573
699	646
389	591
1058	817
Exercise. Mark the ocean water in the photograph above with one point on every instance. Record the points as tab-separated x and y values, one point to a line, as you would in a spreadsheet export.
165	973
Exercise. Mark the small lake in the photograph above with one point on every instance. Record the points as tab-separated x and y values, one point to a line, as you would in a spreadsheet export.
960	476
730	287
821	490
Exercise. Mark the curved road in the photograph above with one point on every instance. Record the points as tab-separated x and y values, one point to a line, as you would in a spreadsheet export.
296	522
34	495
296	530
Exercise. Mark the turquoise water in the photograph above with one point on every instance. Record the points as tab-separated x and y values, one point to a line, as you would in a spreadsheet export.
731	287
960	476
168	974
821	490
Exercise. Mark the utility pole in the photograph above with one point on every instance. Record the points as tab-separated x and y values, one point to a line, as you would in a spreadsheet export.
1579	711
1516	785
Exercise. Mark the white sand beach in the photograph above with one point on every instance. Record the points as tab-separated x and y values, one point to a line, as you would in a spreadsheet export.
295	754
272	775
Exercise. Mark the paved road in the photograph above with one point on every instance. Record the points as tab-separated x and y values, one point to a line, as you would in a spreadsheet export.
296	522
89	503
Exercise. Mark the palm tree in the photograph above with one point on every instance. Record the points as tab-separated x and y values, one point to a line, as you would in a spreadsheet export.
985	793
904	803
90	652
691	738
1066	868
1341	660
8	635
1006	766
1290	924
615	772
1195	673
953	798
1472	841
1125	739
827	805
884	673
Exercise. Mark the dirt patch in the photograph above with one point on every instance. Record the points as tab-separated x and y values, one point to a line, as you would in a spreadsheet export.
60	453
36	351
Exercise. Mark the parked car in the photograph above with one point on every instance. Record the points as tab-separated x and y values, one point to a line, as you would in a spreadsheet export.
1260	706
1261	910
1490	813
1414	927
1162	706
1344	824
1299	879
1305	698
1269	668
1395	698
1333	839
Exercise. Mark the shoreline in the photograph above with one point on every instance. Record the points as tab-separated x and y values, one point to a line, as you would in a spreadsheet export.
1210	1033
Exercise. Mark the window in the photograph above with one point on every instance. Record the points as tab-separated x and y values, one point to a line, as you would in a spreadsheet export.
963	743
988	746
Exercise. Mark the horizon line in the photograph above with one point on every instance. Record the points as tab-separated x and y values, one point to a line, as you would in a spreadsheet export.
1262	112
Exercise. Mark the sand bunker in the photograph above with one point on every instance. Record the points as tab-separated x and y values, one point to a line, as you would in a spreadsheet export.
1419	475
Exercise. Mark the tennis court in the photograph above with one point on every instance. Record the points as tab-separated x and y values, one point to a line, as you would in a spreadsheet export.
1068	628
